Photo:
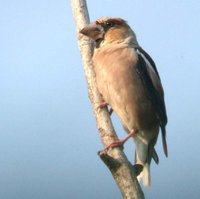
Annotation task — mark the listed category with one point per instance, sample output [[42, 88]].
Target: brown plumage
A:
[[129, 82]]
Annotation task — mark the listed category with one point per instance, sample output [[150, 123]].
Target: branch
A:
[[115, 159]]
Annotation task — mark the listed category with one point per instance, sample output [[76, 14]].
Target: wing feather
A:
[[151, 82]]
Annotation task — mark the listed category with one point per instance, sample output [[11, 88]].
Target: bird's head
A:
[[109, 30]]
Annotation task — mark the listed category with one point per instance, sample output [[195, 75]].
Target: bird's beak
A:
[[94, 31]]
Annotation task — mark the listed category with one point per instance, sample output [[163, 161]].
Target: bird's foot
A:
[[119, 143], [105, 104], [113, 145], [102, 105]]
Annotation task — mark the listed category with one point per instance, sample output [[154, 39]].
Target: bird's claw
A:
[[111, 146], [103, 104]]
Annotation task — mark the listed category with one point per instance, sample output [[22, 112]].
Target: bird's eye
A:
[[109, 24]]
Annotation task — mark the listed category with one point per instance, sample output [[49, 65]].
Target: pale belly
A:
[[122, 88], [125, 93]]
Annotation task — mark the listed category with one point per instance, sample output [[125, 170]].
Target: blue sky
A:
[[48, 136]]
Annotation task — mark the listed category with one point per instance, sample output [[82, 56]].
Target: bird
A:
[[129, 82]]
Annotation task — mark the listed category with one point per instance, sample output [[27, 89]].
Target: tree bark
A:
[[117, 162]]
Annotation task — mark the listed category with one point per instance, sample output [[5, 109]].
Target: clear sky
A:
[[48, 136]]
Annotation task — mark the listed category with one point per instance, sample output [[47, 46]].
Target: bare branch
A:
[[115, 159]]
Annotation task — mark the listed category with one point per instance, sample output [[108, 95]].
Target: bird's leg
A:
[[120, 142]]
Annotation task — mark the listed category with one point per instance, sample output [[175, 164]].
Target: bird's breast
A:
[[122, 88]]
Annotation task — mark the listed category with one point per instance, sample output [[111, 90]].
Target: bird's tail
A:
[[144, 153], [145, 175]]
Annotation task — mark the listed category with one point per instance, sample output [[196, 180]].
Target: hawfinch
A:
[[129, 83]]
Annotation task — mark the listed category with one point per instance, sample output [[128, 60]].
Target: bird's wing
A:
[[148, 73]]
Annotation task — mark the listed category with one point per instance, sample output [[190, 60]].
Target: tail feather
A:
[[144, 153], [145, 175], [141, 157], [155, 156], [164, 140]]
